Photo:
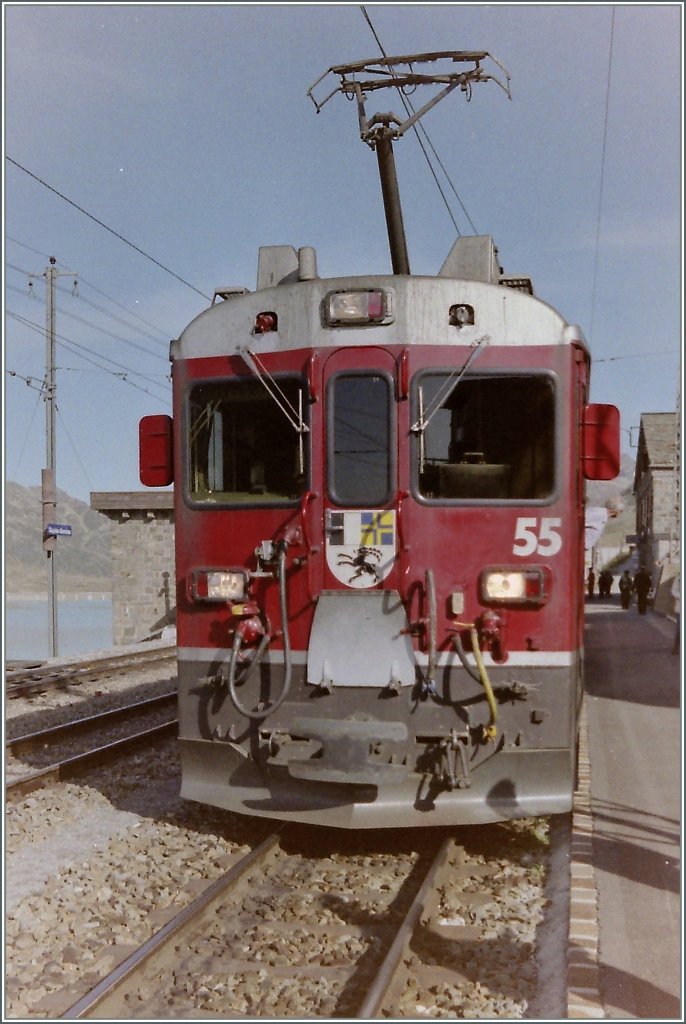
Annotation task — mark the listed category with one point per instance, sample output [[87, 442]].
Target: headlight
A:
[[358, 307], [505, 586], [219, 584]]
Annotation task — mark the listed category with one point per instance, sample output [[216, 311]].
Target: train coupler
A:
[[455, 766], [352, 752]]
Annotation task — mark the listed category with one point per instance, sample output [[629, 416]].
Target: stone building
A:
[[657, 491], [655, 487], [143, 575]]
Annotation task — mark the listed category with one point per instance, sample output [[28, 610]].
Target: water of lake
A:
[[83, 625]]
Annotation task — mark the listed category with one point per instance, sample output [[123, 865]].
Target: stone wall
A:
[[658, 527], [143, 576], [664, 602]]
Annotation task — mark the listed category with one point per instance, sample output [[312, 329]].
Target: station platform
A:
[[625, 959]]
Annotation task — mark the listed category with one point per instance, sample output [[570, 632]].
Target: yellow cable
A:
[[490, 730]]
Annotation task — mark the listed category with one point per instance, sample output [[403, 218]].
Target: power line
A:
[[637, 355], [105, 226], [94, 305], [113, 316], [20, 456], [602, 177], [84, 280], [74, 347], [29, 381], [78, 457], [103, 330], [20, 270], [29, 247], [115, 337]]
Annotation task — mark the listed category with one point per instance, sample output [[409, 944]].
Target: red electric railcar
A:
[[379, 509]]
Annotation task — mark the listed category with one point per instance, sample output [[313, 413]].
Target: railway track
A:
[[22, 682], [384, 947], [46, 744]]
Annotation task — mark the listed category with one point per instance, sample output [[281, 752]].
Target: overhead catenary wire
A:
[[106, 226], [410, 109], [602, 178]]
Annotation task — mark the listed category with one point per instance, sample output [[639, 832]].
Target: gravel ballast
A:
[[96, 866]]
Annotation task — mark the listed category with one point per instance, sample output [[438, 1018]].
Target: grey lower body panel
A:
[[509, 785], [365, 757]]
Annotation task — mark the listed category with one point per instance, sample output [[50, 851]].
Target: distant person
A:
[[676, 594], [590, 582], [626, 586], [605, 583], [642, 584]]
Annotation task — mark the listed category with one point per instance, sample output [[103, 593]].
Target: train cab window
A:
[[242, 448], [360, 464], [489, 437]]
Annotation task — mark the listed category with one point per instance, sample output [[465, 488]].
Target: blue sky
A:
[[187, 129]]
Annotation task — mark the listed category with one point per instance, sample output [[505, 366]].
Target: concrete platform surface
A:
[[634, 730]]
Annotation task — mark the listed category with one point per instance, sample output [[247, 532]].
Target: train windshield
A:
[[489, 437], [243, 447]]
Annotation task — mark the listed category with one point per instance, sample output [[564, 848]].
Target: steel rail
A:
[[73, 766], [386, 973], [131, 977], [34, 680], [108, 987], [29, 741], [85, 663]]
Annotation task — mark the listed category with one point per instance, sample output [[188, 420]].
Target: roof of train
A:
[[503, 316]]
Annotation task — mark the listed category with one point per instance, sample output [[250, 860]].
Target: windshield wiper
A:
[[445, 391], [277, 394], [293, 415]]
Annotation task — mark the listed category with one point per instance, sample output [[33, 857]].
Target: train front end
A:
[[379, 528]]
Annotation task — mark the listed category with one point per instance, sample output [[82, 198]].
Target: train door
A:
[[360, 470], [359, 633]]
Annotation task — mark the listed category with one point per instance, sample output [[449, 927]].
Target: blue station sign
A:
[[57, 530]]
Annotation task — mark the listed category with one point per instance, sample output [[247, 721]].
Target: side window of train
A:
[[242, 449], [360, 463], [488, 437]]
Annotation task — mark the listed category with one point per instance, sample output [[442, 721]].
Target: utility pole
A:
[[48, 475], [676, 511]]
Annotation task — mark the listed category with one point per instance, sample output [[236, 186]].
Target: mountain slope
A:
[[600, 491], [83, 561]]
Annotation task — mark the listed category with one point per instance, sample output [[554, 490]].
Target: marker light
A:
[[219, 585], [265, 322], [461, 315], [358, 307], [506, 586]]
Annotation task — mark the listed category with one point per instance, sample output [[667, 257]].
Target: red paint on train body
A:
[[379, 545]]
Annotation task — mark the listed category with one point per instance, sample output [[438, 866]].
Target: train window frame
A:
[[255, 501], [489, 374], [392, 448]]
